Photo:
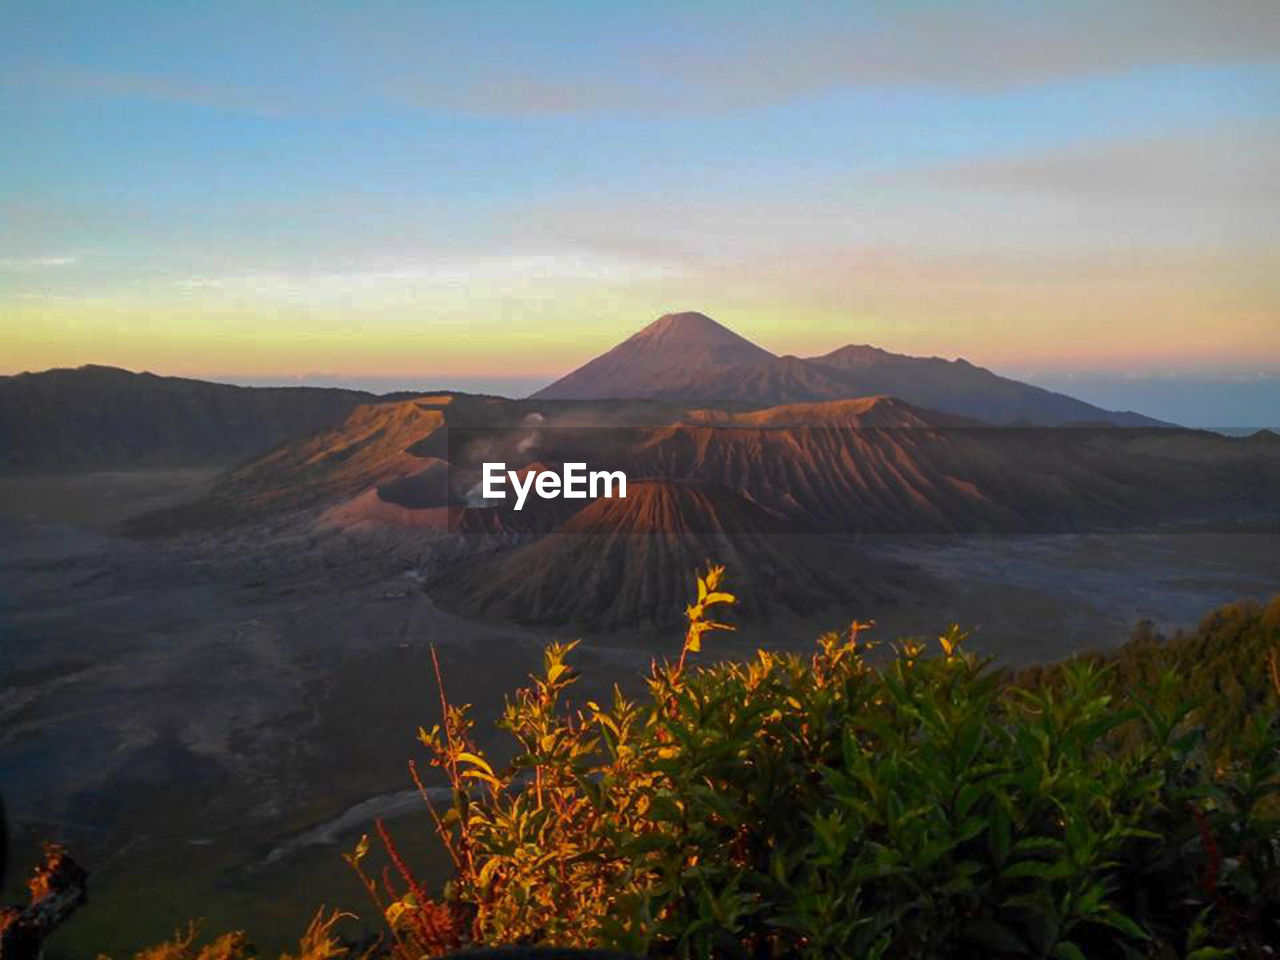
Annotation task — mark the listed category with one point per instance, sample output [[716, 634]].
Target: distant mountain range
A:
[[778, 464], [97, 417], [105, 418], [690, 357], [783, 491]]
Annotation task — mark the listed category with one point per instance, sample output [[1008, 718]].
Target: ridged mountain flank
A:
[[624, 564]]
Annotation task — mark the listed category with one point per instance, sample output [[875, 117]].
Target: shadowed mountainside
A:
[[102, 417], [957, 386]]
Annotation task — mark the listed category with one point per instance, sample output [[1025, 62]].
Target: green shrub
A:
[[1227, 668], [929, 807]]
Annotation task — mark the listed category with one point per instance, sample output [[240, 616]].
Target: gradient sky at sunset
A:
[[416, 192]]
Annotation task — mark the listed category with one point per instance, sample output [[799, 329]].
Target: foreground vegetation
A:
[[907, 802], [928, 806]]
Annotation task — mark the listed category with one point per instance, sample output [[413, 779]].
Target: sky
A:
[[470, 193]]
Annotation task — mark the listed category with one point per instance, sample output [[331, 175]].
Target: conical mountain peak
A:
[[688, 324], [663, 358]]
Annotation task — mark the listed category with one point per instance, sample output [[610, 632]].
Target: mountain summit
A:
[[690, 357], [666, 358], [682, 330]]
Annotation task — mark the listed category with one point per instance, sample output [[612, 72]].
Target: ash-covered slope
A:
[[883, 466], [388, 464], [663, 359], [378, 444], [622, 564], [877, 471], [102, 417]]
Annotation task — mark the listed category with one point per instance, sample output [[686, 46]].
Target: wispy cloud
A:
[[410, 280], [1217, 165], [34, 264], [773, 54], [995, 45], [549, 60]]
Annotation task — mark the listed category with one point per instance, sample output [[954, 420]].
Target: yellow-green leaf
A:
[[476, 761]]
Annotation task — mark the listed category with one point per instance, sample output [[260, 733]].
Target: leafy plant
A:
[[926, 807]]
